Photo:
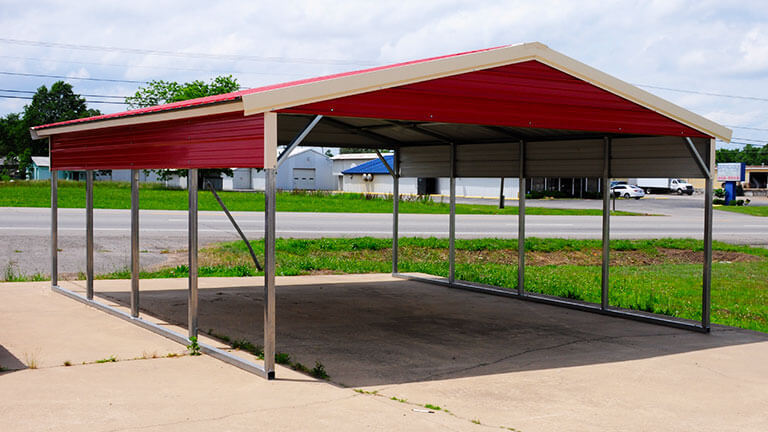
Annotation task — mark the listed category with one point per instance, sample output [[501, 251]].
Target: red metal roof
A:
[[229, 97], [528, 94]]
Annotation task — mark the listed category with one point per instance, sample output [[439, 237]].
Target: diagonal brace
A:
[[298, 139], [384, 161], [237, 227], [695, 153]]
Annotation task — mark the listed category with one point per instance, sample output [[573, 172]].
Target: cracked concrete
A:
[[502, 362]]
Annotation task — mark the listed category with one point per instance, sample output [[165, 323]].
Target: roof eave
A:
[[142, 118]]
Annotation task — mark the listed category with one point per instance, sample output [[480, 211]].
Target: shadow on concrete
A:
[[9, 362], [398, 331]]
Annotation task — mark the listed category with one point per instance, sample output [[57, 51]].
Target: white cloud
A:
[[708, 45]]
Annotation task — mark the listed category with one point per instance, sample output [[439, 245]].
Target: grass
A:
[[749, 210], [110, 359], [280, 358], [116, 195], [663, 285]]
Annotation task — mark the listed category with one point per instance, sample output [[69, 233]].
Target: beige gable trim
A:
[[141, 119], [286, 97]]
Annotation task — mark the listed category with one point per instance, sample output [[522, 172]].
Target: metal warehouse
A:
[[512, 111]]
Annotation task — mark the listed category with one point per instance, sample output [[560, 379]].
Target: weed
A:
[[3, 369], [246, 345], [372, 393], [172, 355], [319, 371], [67, 363], [432, 407], [31, 360], [193, 347], [394, 398], [299, 367], [110, 359], [282, 358], [16, 251], [475, 421], [148, 355]]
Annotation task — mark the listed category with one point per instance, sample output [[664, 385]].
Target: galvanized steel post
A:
[[270, 197], [269, 271], [395, 210], [521, 223], [89, 234], [54, 228], [707, 271], [452, 220], [192, 253], [134, 243], [606, 186]]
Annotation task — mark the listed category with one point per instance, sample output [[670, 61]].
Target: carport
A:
[[513, 111]]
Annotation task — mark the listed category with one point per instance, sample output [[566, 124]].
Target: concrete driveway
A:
[[500, 362]]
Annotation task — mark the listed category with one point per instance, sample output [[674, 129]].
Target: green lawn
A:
[[750, 210], [115, 195], [665, 286]]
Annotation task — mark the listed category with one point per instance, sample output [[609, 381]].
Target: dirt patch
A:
[[590, 257], [581, 257]]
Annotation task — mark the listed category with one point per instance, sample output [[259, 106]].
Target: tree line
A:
[[750, 155]]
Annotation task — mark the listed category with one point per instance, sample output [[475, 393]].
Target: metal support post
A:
[[89, 234], [134, 243], [54, 228], [707, 276], [606, 189], [269, 272], [521, 223], [501, 194], [395, 210], [192, 252], [452, 220]]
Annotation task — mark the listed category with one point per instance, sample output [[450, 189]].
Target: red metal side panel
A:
[[221, 141], [528, 94]]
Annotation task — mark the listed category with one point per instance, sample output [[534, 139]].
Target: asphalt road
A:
[[25, 232]]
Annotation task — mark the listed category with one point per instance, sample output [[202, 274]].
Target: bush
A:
[[720, 193]]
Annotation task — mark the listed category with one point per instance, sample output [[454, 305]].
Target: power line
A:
[[88, 101], [750, 139], [152, 67], [68, 78], [89, 95], [748, 128], [277, 59], [704, 93]]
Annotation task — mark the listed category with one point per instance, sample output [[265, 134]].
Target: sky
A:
[[699, 49]]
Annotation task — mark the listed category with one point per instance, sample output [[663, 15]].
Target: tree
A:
[[750, 155], [161, 92], [59, 103]]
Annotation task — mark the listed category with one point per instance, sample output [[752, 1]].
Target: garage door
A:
[[304, 178]]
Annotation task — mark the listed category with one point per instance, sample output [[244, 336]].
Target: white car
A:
[[627, 191]]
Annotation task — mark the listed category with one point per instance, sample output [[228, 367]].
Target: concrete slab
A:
[[44, 328], [502, 362]]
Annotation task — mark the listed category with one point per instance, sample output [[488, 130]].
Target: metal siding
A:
[[488, 160], [577, 158], [425, 161], [653, 157], [527, 94], [221, 141]]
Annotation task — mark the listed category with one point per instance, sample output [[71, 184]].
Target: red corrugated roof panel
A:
[[229, 97]]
